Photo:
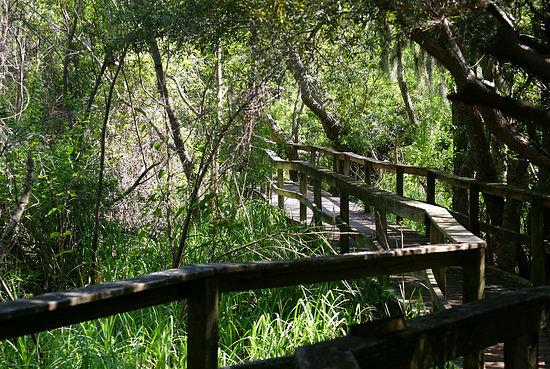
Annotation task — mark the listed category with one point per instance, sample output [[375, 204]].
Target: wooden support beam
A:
[[522, 352], [317, 199], [399, 188], [368, 169], [430, 197], [280, 184], [436, 237], [344, 214], [381, 222], [473, 209], [202, 325], [473, 279], [346, 166], [313, 156], [303, 191], [536, 227]]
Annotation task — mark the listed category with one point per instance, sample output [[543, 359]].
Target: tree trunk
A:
[[185, 158], [403, 85], [312, 99]]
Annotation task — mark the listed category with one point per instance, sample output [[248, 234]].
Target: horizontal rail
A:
[[433, 339], [497, 189], [58, 309]]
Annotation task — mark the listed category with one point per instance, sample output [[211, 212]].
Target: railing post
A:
[[473, 209], [399, 188], [303, 191], [313, 154], [430, 197], [335, 169], [317, 199], [280, 184], [367, 166], [381, 222], [202, 325], [346, 167], [344, 214], [436, 237], [536, 227], [473, 279], [522, 352], [368, 173]]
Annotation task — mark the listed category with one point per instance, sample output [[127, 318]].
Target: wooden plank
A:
[[280, 184], [496, 231], [536, 227], [202, 325], [317, 199], [346, 166], [443, 336], [303, 192], [331, 358], [344, 214], [53, 310], [436, 237], [381, 224], [473, 209], [399, 188], [246, 276], [430, 197], [522, 352]]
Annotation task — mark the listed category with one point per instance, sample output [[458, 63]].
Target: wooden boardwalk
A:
[[364, 233]]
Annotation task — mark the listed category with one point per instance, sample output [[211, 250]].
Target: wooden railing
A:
[[511, 318], [342, 162], [201, 286]]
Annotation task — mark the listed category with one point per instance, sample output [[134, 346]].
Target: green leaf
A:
[[55, 235], [156, 145]]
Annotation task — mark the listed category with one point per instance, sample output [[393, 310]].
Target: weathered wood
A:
[[344, 214], [381, 223], [536, 220], [280, 184], [330, 358], [53, 310], [430, 197], [317, 199], [346, 167], [522, 352], [473, 279], [443, 336], [437, 237], [202, 325], [303, 191], [399, 188], [473, 209], [247, 276], [313, 156]]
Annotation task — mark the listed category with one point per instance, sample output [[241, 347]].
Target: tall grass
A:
[[253, 324]]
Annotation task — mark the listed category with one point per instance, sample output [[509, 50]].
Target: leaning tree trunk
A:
[[313, 99], [403, 85], [184, 156]]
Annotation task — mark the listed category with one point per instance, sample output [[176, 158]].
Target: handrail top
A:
[[181, 276], [499, 189]]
